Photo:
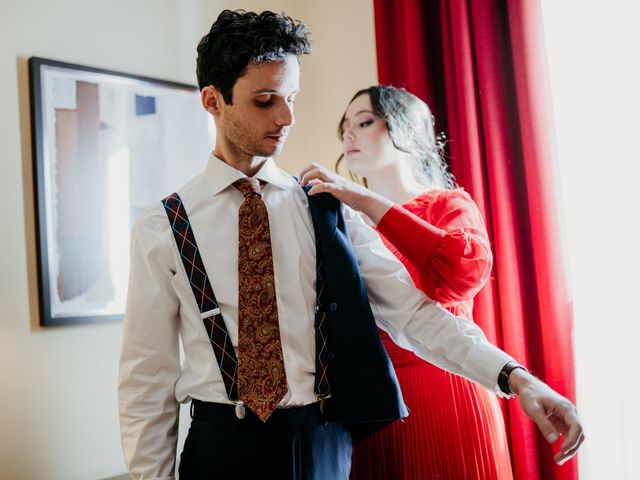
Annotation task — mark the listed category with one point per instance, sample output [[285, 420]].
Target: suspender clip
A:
[[240, 411], [323, 401], [210, 313]]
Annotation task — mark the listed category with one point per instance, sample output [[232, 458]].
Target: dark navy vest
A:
[[364, 389]]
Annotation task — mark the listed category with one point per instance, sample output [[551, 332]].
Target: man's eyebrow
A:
[[271, 90]]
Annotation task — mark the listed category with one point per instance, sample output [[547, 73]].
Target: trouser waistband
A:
[[225, 413]]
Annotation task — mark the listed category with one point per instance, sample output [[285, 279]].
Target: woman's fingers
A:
[[313, 172], [311, 166], [322, 187]]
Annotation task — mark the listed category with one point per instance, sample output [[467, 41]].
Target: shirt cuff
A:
[[484, 363]]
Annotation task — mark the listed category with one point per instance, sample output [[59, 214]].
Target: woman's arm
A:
[[447, 243], [350, 193]]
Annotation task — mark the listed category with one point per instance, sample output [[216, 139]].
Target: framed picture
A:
[[106, 144]]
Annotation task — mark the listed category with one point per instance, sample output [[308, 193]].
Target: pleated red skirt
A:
[[455, 431]]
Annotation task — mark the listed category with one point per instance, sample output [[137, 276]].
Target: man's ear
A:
[[211, 100]]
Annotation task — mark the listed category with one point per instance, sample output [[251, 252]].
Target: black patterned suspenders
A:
[[212, 316], [203, 293]]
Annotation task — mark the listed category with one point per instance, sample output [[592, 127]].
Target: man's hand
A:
[[555, 415], [355, 196]]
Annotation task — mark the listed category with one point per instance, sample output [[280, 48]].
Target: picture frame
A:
[[106, 144]]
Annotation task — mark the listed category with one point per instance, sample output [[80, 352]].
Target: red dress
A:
[[456, 429]]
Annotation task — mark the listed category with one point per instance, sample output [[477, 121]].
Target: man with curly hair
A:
[[275, 296]]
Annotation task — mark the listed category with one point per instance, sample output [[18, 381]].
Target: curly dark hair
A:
[[238, 37], [411, 129]]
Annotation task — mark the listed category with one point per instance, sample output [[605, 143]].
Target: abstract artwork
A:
[[106, 145]]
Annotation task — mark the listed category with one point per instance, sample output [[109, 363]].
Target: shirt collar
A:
[[221, 175]]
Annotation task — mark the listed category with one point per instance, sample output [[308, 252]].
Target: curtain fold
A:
[[481, 67]]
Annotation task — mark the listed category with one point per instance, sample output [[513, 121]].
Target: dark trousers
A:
[[295, 444]]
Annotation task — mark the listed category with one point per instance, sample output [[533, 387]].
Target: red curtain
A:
[[481, 66]]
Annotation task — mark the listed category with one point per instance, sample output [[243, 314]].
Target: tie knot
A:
[[248, 186]]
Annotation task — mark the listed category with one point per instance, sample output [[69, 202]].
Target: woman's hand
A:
[[355, 196]]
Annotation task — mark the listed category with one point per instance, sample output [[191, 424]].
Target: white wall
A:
[[595, 74], [343, 62], [58, 410]]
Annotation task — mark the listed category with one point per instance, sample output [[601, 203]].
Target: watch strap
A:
[[503, 376]]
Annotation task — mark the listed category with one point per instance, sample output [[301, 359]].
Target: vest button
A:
[[331, 355], [333, 306]]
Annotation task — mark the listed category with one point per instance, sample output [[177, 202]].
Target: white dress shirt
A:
[[161, 309]]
